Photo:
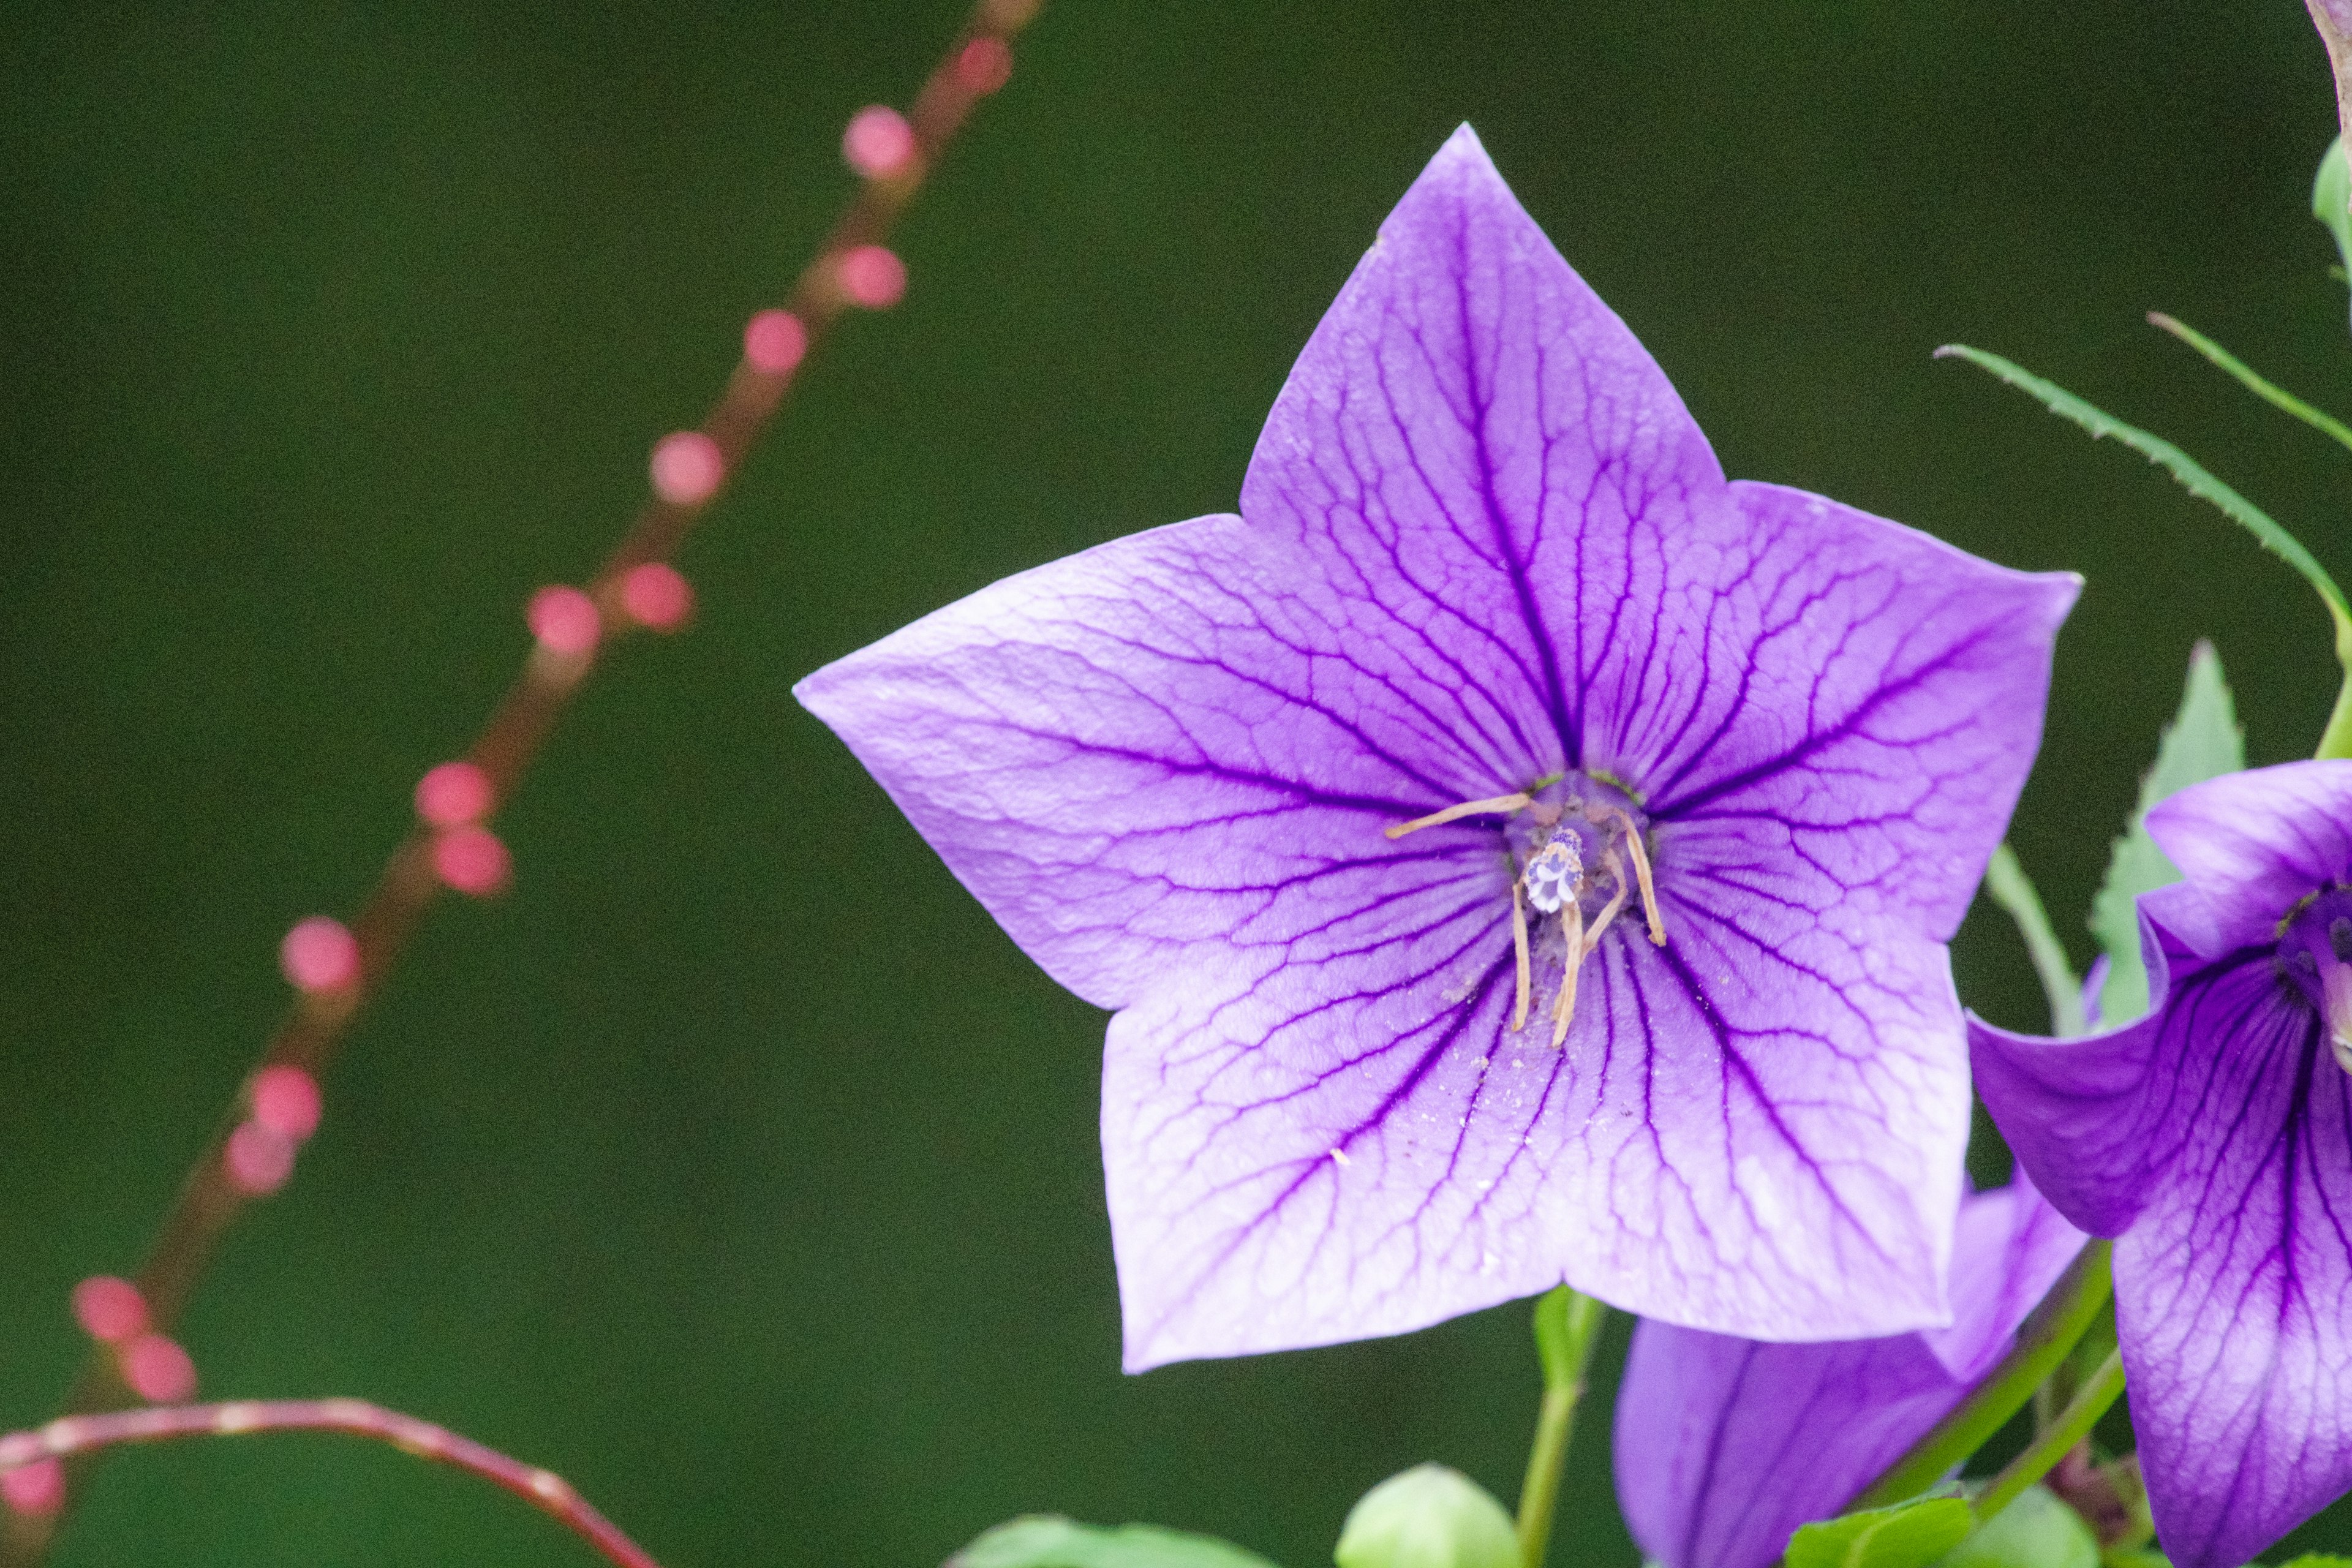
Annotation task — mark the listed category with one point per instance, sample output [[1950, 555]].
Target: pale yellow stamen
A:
[[1499, 806], [1616, 869], [1571, 921], [1519, 951], [1640, 871]]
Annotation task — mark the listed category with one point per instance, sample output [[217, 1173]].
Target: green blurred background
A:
[[735, 1165]]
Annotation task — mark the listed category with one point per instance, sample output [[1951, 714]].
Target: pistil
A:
[[2335, 990], [1554, 878]]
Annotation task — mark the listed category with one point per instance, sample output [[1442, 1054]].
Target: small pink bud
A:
[[452, 794], [687, 468], [879, 142], [872, 275], [564, 620], [286, 1100], [773, 342], [109, 1310], [158, 1370], [318, 954], [37, 1489], [655, 597], [472, 861], [986, 65], [258, 1160]]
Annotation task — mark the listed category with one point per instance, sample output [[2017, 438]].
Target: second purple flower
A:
[[1515, 854]]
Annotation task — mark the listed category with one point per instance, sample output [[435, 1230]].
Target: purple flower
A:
[[1726, 1446], [1515, 854], [2214, 1138]]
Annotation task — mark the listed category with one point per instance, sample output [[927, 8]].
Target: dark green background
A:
[[736, 1167]]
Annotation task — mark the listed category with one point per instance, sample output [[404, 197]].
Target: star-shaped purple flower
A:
[[2214, 1138], [1726, 1446], [1514, 853]]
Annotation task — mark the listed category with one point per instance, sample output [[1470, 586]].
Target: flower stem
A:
[[312, 1031], [2049, 1333], [1567, 1327], [2099, 1391], [71, 1435]]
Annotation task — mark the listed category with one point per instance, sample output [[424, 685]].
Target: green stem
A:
[[2100, 1390], [2012, 890], [1567, 1327], [2042, 1343], [2277, 397]]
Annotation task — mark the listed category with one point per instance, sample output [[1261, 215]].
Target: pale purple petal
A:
[[2234, 1290], [1481, 542], [2251, 844], [1725, 1446], [2011, 1248]]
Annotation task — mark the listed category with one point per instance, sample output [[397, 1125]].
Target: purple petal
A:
[[1483, 542], [2253, 843], [2234, 1290], [1724, 1446]]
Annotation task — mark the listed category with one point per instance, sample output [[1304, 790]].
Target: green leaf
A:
[[2329, 188], [2245, 375], [2007, 885], [2035, 1531], [2321, 1559], [2203, 741], [1908, 1535], [1049, 1541]]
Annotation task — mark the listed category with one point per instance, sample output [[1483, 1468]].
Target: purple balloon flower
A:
[[1726, 1446], [1515, 854], [2214, 1138]]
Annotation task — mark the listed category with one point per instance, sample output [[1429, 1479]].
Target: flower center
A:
[[1578, 853], [2314, 951]]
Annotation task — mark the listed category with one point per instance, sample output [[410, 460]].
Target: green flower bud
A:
[[2331, 190], [1429, 1517]]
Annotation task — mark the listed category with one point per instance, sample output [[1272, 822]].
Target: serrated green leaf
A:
[[1908, 1535], [2035, 1531], [2336, 741], [1049, 1541], [2203, 741], [2320, 1560]]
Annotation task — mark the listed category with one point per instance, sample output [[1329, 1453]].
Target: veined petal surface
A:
[[1482, 543], [2251, 844], [1725, 1446], [2234, 1290]]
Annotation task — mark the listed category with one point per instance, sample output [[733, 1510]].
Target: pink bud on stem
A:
[[878, 141], [322, 958], [473, 860], [774, 342], [657, 596], [37, 1489], [454, 793], [687, 468], [319, 955], [158, 1370], [872, 277], [564, 620], [108, 1310]]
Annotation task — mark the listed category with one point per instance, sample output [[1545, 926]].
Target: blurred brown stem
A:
[[313, 1028]]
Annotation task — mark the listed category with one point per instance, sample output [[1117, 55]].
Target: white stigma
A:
[[1553, 873]]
